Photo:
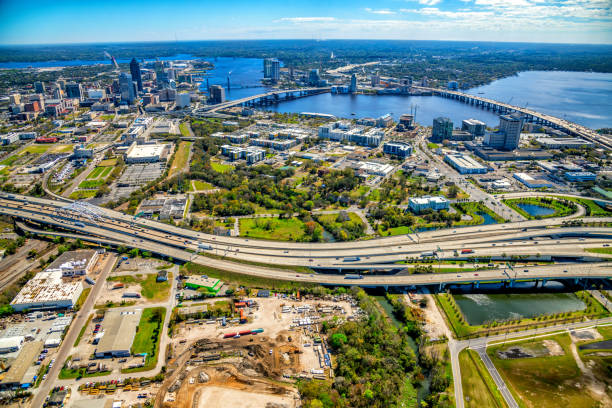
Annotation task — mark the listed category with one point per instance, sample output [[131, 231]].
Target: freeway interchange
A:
[[541, 239]]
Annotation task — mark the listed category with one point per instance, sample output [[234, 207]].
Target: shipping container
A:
[[467, 251], [228, 335]]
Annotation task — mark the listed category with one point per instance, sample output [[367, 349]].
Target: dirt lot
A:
[[221, 397]]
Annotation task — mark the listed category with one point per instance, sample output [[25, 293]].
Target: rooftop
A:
[[22, 363], [47, 286], [119, 330]]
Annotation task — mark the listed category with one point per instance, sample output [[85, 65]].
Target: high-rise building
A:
[[475, 127], [353, 87], [39, 87], [511, 125], [126, 86], [313, 77], [375, 79], [58, 93], [217, 94], [74, 90], [61, 83], [15, 99], [160, 74], [272, 69], [136, 74], [442, 129]]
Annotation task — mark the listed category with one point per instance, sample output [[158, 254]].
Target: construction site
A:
[[255, 359]]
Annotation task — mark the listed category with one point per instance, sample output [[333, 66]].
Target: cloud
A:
[[306, 19], [429, 2], [383, 11]]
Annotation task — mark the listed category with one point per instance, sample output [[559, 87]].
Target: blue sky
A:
[[68, 21]]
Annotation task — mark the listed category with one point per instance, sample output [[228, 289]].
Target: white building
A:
[[183, 99], [420, 204], [11, 344], [145, 153], [74, 263], [47, 290], [465, 164]]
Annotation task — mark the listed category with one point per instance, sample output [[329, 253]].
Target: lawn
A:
[[220, 167], [432, 146], [479, 390], [396, 231], [82, 298], [180, 158], [9, 160], [560, 208], [147, 337], [78, 339], [100, 172], [44, 148], [543, 382], [291, 229], [91, 184], [592, 209]]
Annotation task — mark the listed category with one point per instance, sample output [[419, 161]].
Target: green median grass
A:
[[479, 389], [606, 251], [82, 332]]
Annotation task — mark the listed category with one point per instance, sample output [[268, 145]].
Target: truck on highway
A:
[[90, 281], [353, 276], [351, 259], [428, 254], [79, 224], [467, 251], [204, 246]]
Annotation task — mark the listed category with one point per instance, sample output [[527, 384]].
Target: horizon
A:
[[530, 21]]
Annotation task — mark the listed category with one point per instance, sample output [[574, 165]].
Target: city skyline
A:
[[556, 21]]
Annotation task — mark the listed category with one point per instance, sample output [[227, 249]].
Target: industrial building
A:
[[150, 153], [73, 263], [465, 164], [202, 281], [532, 182], [22, 372], [47, 290], [400, 149], [119, 328], [580, 176], [419, 204], [11, 344]]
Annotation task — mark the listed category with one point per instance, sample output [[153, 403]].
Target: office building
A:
[[136, 74], [74, 90], [217, 94], [39, 87], [406, 120], [400, 149], [272, 69], [15, 99], [183, 99], [511, 126], [461, 135], [375, 80], [475, 127], [126, 86], [580, 176], [442, 129], [420, 204], [313, 77], [453, 85], [353, 87], [465, 164], [494, 140]]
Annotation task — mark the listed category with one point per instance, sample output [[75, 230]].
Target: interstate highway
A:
[[484, 242]]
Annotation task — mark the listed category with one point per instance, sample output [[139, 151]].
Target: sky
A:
[[82, 21]]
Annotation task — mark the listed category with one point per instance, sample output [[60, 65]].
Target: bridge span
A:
[[268, 98]]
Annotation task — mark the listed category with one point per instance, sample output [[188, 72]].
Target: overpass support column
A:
[[386, 288], [544, 282], [511, 283], [441, 287], [576, 281], [477, 284]]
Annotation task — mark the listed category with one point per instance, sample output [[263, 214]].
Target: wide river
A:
[[582, 97]]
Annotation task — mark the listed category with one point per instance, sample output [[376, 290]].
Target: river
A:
[[582, 97]]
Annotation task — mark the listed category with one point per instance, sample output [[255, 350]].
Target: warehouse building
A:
[[532, 182], [22, 371], [202, 281], [465, 164], [563, 142], [149, 153], [47, 290], [419, 204], [580, 176], [11, 344], [119, 328], [74, 263]]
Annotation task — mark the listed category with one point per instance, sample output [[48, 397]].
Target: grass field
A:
[[147, 337], [479, 390], [108, 162], [91, 184], [396, 231], [184, 130], [220, 167], [198, 185], [544, 382], [151, 289], [99, 172], [50, 148], [79, 195], [291, 229], [244, 280], [180, 158]]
